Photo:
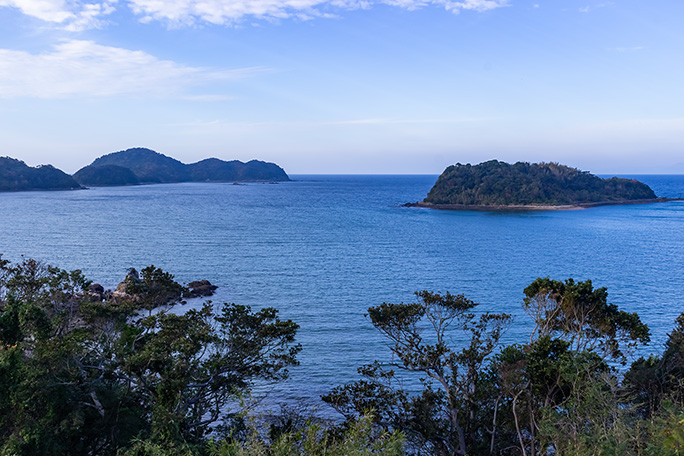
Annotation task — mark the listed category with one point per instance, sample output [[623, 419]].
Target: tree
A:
[[312, 439], [577, 335], [187, 367], [578, 313], [53, 388], [553, 394], [83, 376], [657, 379], [454, 369]]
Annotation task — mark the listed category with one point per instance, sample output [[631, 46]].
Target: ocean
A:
[[322, 249]]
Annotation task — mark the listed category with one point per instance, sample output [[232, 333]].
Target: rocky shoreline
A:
[[535, 207], [130, 289]]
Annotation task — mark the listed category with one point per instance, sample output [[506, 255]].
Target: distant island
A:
[[145, 166], [15, 176], [495, 185], [133, 167]]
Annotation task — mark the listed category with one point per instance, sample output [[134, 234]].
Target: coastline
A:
[[535, 207], [42, 190]]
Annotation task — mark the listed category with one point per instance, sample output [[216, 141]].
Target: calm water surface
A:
[[323, 249]]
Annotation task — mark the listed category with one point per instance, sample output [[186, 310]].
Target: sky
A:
[[346, 86]]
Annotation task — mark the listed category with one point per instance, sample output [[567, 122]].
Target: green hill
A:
[[496, 183], [140, 165], [106, 175], [15, 175], [213, 169], [147, 165]]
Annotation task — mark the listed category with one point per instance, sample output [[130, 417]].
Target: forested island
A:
[[91, 372], [141, 165], [15, 175], [495, 185], [133, 167]]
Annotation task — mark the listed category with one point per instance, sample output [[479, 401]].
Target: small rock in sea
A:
[[132, 278], [201, 288], [96, 292]]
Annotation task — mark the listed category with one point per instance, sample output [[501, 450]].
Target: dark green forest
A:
[[141, 165], [15, 175], [132, 167], [496, 183], [106, 176], [84, 371]]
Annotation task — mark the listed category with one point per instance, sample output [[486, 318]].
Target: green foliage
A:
[[496, 183], [578, 313], [139, 164], [84, 377], [659, 379], [543, 385], [15, 175], [314, 440], [154, 288], [213, 169], [444, 419], [130, 377], [106, 175], [147, 165], [189, 366], [52, 367], [556, 394]]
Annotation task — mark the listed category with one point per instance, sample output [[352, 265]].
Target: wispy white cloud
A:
[[222, 12], [450, 5], [473, 5], [77, 68], [77, 15], [589, 8], [68, 14], [182, 12]]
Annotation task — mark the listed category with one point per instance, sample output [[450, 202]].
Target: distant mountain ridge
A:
[[498, 185], [15, 175], [148, 166], [132, 167]]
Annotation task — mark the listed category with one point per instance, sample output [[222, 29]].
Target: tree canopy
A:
[[496, 183], [15, 175], [84, 376], [558, 393], [87, 372], [141, 165]]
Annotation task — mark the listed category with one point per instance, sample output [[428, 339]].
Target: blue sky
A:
[[346, 86]]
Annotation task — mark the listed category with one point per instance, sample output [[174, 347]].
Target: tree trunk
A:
[[517, 422]]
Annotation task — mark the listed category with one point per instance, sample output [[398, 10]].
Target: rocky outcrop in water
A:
[[200, 288], [160, 288], [122, 290]]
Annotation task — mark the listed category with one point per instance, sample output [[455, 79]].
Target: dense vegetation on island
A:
[[15, 175], [133, 167], [140, 165], [496, 183], [84, 371], [106, 175]]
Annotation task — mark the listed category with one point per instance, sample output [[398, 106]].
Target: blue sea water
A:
[[322, 249]]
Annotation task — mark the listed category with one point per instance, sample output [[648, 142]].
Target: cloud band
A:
[[76, 15]]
